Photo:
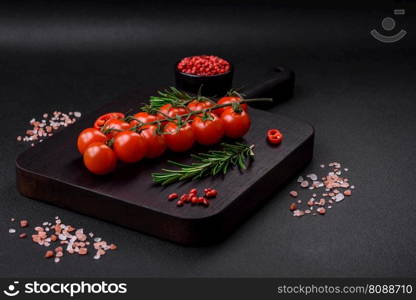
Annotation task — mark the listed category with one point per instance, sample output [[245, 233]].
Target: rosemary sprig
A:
[[168, 96], [210, 163]]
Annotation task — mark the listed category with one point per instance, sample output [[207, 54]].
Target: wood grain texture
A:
[[53, 172]]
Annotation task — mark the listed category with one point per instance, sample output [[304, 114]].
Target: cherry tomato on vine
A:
[[236, 124], [99, 158], [156, 144], [196, 105], [143, 117], [89, 136], [113, 126], [208, 129], [226, 100], [274, 136], [171, 111], [104, 118], [129, 146], [179, 138]]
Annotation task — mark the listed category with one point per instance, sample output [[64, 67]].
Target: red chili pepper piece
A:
[[179, 203], [274, 136]]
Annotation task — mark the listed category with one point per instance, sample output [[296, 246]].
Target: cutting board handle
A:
[[278, 84]]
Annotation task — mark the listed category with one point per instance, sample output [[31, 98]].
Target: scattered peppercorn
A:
[[211, 193], [193, 198], [172, 196]]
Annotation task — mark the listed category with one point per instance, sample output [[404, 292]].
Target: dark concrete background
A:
[[357, 92]]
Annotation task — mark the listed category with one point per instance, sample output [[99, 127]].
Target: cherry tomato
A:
[[89, 136], [104, 118], [99, 158], [156, 144], [208, 129], [171, 111], [143, 117], [236, 124], [179, 139], [226, 100], [196, 105], [274, 136], [129, 146], [113, 126]]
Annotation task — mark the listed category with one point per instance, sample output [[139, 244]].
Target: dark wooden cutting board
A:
[[53, 172]]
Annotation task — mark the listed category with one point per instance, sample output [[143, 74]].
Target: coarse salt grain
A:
[[312, 176], [339, 197], [44, 128], [335, 185], [298, 213], [304, 184], [293, 194], [61, 235]]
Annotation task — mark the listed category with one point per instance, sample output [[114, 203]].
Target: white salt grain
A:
[[339, 197]]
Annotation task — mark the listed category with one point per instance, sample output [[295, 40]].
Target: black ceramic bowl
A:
[[216, 85]]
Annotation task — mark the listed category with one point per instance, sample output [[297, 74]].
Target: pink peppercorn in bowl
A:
[[213, 73]]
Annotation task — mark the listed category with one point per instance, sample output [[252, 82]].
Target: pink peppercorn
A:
[[205, 65]]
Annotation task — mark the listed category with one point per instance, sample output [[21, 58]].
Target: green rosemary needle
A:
[[168, 96], [210, 163]]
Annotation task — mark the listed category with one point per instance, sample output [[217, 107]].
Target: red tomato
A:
[[226, 100], [113, 126], [156, 144], [274, 136], [179, 139], [236, 124], [171, 112], [197, 105], [143, 117], [99, 158], [129, 146], [208, 130], [104, 118], [89, 136]]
